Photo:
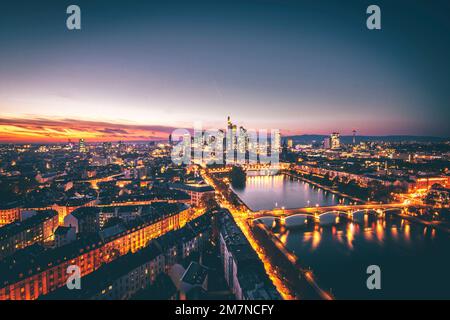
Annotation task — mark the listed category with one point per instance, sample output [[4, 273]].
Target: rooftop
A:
[[195, 274], [20, 226], [105, 276], [192, 187]]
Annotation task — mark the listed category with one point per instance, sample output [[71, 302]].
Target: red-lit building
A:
[[47, 271], [8, 215], [425, 183], [36, 229]]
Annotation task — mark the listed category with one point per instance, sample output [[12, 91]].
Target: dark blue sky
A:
[[300, 66]]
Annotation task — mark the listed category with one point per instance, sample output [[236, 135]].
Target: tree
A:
[[208, 201], [238, 177]]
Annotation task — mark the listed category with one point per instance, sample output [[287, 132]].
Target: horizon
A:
[[140, 73], [406, 138]]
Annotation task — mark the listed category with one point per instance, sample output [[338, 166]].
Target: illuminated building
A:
[[8, 215], [36, 229], [243, 144], [276, 144], [41, 271], [332, 142], [125, 213], [119, 279], [244, 271], [82, 146], [205, 147], [132, 272], [46, 271], [425, 183], [326, 143], [195, 191], [64, 208], [290, 143], [231, 141], [181, 243], [335, 141]]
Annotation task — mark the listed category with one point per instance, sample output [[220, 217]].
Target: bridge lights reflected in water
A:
[[407, 230], [344, 232], [350, 235], [392, 241]]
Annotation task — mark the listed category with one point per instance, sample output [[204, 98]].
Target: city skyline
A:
[[213, 157], [141, 72]]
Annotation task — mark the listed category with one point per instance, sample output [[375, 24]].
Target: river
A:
[[276, 191], [414, 259]]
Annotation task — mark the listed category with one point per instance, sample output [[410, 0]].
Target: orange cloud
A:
[[60, 130]]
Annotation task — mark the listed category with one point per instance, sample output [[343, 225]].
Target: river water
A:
[[414, 259], [269, 192]]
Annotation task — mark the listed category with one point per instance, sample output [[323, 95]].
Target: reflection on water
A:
[[268, 192], [414, 259]]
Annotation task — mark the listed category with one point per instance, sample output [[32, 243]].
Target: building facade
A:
[[39, 228]]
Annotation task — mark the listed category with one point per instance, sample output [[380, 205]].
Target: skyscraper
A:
[[326, 143], [82, 146], [290, 143], [335, 140], [229, 124], [231, 141], [277, 141]]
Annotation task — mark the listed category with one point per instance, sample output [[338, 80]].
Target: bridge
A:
[[326, 214], [252, 167]]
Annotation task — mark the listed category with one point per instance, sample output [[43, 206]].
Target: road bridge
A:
[[326, 214]]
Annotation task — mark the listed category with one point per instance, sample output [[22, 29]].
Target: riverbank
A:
[[288, 191], [298, 279], [432, 224], [320, 186]]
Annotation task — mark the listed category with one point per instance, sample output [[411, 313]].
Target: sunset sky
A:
[[137, 70]]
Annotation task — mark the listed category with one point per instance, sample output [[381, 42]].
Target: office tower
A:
[[82, 146], [277, 141], [231, 141], [335, 140], [290, 143], [326, 143]]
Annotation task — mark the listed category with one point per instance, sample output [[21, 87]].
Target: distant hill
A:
[[310, 138]]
